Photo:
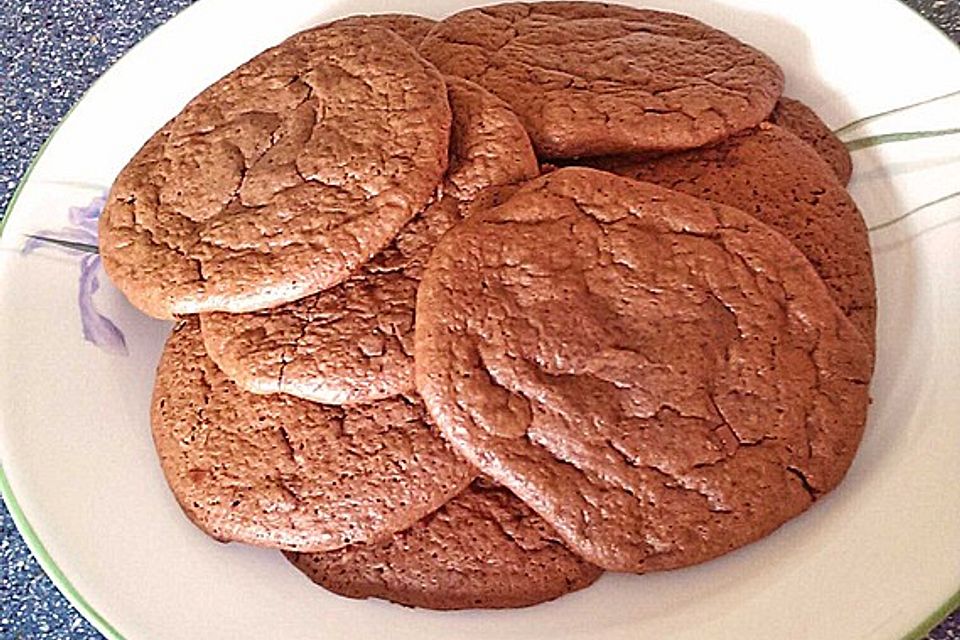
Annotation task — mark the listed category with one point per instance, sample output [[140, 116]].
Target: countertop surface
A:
[[50, 52]]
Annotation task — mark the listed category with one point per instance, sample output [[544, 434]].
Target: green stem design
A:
[[872, 141], [904, 216], [862, 121], [68, 244]]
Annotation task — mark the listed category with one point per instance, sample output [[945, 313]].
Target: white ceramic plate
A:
[[878, 559]]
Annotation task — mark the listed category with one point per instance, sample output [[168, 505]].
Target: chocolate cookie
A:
[[411, 28], [777, 178], [661, 378], [281, 178], [591, 79], [803, 122], [354, 342], [281, 472], [483, 549]]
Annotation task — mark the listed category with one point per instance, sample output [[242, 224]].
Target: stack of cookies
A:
[[470, 311]]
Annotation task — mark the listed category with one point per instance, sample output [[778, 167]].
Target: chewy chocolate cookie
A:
[[282, 472], [590, 79], [281, 178], [661, 378], [803, 122]]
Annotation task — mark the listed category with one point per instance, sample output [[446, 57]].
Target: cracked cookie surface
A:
[[483, 549], [281, 178], [592, 79], [780, 180], [282, 472], [802, 121], [408, 26], [354, 342], [661, 378]]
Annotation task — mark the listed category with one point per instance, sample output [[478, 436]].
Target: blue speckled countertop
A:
[[50, 52]]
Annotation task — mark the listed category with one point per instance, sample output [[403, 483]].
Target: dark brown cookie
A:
[[281, 472], [281, 178], [590, 79], [411, 28], [354, 342], [777, 178], [483, 549], [803, 122], [663, 379]]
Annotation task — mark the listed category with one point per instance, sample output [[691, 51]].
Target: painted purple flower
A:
[[81, 239]]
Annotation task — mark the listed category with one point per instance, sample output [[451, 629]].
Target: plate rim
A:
[[50, 566], [36, 546]]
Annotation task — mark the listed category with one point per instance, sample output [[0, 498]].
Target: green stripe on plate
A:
[[50, 566], [921, 630]]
